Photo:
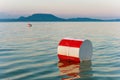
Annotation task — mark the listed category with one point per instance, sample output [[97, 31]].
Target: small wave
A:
[[5, 50]]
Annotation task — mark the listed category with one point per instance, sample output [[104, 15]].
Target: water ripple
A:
[[31, 53]]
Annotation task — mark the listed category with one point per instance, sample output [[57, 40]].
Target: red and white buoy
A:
[[29, 25], [74, 50]]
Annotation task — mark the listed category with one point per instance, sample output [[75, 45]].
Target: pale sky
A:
[[62, 8]]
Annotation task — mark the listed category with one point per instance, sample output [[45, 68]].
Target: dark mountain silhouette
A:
[[83, 19], [50, 17], [41, 17]]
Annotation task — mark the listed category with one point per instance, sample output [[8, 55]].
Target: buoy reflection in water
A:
[[73, 70]]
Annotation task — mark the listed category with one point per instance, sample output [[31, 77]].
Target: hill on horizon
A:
[[50, 17]]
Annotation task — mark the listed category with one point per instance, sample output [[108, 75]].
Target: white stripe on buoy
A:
[[74, 49]]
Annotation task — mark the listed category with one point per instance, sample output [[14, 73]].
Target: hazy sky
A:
[[63, 8]]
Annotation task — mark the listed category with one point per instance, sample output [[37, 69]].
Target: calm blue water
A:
[[31, 53]]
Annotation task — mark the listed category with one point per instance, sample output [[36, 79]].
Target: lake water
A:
[[30, 53]]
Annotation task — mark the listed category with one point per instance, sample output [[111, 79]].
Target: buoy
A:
[[29, 25], [74, 50]]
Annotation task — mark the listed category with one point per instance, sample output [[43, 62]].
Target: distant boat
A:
[[29, 25]]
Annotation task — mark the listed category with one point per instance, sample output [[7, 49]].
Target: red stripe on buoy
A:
[[68, 58], [70, 43]]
